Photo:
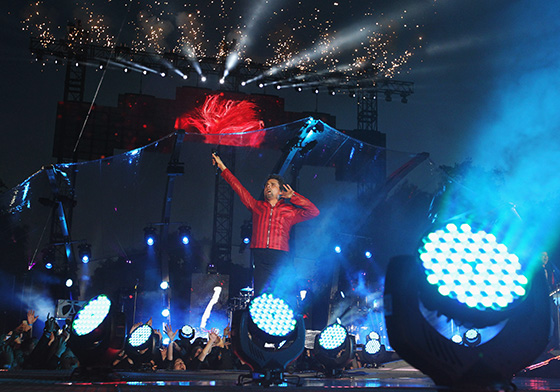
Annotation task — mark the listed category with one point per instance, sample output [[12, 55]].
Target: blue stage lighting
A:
[[472, 337], [185, 234], [272, 315], [465, 277], [165, 312], [97, 333], [142, 346], [372, 347], [373, 336], [246, 231], [150, 235], [140, 335], [91, 315], [49, 257], [267, 337], [332, 337], [457, 339], [187, 332], [334, 349], [69, 282], [472, 267], [84, 252], [368, 254], [164, 285], [337, 249]]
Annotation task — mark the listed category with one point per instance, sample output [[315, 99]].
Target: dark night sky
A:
[[479, 67]]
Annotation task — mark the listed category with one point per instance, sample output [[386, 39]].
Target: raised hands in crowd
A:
[[19, 349]]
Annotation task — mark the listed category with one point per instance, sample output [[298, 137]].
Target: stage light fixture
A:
[[374, 352], [49, 257], [125, 69], [142, 345], [203, 78], [267, 336], [261, 85], [186, 332], [211, 268], [372, 346], [337, 249], [246, 234], [69, 282], [404, 98], [84, 252], [97, 333], [316, 91], [373, 336], [164, 285], [150, 235], [185, 234], [463, 276], [334, 349], [472, 337], [368, 254], [165, 312]]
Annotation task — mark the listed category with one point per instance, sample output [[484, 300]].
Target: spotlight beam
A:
[[257, 15]]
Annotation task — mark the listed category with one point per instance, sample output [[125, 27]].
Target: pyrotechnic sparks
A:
[[304, 37]]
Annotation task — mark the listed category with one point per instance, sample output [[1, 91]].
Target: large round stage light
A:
[[332, 337], [334, 349], [142, 345], [267, 336], [140, 337], [272, 316], [372, 347], [91, 315], [468, 295], [97, 332], [472, 267]]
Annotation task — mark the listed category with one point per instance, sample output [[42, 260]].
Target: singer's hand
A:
[[217, 161], [288, 192]]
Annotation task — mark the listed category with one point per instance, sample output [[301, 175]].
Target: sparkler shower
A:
[[353, 37]]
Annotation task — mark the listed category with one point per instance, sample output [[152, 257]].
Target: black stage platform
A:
[[393, 376]]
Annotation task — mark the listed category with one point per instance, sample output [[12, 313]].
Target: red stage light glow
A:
[[224, 121]]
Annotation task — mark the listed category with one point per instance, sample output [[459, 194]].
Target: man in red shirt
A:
[[273, 218]]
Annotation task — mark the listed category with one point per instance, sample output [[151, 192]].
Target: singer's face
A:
[[272, 189]]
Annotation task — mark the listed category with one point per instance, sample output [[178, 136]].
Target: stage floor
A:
[[394, 376]]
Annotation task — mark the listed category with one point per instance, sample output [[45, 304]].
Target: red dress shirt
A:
[[271, 225]]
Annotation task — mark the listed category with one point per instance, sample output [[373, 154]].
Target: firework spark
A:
[[301, 37]]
